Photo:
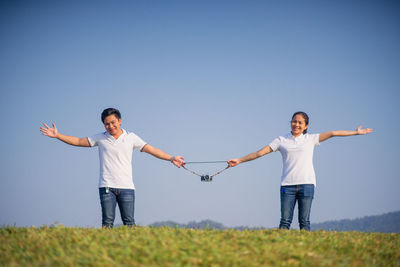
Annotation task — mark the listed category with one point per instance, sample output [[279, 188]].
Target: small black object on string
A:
[[205, 177]]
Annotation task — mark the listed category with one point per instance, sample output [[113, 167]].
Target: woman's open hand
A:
[[363, 131]]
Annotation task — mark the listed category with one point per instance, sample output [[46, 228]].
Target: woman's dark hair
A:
[[305, 117], [110, 111]]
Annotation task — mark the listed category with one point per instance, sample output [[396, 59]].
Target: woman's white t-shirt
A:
[[116, 158], [297, 158]]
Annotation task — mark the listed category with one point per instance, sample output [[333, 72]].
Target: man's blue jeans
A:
[[303, 194], [125, 198]]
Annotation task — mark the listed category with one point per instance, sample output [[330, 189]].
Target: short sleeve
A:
[[93, 140], [275, 144], [316, 139], [138, 142]]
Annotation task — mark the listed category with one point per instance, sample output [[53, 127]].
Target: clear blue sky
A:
[[208, 80]]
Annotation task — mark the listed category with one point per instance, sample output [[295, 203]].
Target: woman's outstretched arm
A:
[[359, 131], [255, 155]]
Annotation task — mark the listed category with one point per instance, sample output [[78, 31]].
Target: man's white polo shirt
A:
[[297, 157], [116, 158]]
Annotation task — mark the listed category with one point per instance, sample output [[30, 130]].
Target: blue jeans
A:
[[125, 198], [304, 194]]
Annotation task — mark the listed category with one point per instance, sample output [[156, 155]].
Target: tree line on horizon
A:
[[385, 223]]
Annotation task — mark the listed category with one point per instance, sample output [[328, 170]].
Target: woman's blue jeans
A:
[[125, 198], [303, 194]]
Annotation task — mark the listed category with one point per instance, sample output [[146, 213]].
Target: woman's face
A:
[[298, 125]]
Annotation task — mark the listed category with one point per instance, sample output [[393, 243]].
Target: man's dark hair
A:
[[110, 111]]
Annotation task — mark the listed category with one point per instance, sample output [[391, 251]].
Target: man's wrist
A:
[[172, 158]]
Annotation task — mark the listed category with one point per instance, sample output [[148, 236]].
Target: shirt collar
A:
[[290, 136], [112, 137]]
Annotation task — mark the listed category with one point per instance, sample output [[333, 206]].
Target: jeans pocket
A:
[[308, 190], [105, 197]]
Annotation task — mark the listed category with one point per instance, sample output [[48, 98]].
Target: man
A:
[[115, 153]]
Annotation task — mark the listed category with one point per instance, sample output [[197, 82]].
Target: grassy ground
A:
[[147, 246]]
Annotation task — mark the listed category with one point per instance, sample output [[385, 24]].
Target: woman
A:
[[298, 176]]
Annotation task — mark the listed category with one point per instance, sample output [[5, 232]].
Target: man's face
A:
[[112, 125]]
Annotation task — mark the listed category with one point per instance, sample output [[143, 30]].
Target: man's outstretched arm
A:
[[71, 140], [158, 153]]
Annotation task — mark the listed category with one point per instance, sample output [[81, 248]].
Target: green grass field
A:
[[147, 246]]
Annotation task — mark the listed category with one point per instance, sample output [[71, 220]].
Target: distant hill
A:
[[385, 223], [205, 224], [194, 225]]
